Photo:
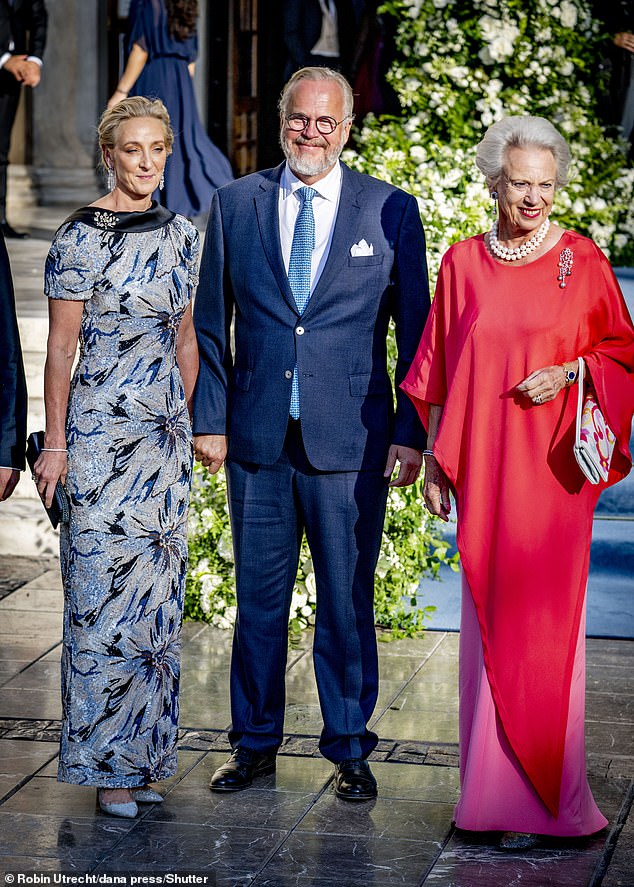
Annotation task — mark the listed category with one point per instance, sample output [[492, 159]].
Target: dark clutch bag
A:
[[59, 512]]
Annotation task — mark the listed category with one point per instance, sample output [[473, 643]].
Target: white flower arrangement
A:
[[467, 63], [464, 64], [410, 550]]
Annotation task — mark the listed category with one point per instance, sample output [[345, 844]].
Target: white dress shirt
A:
[[325, 206]]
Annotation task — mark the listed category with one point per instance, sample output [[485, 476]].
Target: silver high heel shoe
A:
[[128, 809], [146, 795]]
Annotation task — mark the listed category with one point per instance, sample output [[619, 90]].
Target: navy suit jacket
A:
[[339, 343], [302, 21], [24, 25], [12, 381]]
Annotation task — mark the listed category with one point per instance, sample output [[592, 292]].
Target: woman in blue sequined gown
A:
[[120, 276], [162, 48]]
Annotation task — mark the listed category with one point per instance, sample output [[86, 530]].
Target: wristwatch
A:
[[569, 375]]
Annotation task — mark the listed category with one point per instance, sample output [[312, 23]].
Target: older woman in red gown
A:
[[494, 381]]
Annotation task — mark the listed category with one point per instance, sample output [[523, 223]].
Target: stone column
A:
[[65, 106]]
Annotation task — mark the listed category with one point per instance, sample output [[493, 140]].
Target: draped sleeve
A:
[[142, 20], [426, 381], [147, 26], [610, 362]]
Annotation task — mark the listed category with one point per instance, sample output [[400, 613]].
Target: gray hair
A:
[[520, 132], [317, 74]]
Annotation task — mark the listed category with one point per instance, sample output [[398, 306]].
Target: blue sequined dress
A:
[[124, 552]]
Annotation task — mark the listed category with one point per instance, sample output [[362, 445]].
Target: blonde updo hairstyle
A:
[[520, 132], [128, 109]]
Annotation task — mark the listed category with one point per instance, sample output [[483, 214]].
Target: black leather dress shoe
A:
[[241, 769], [354, 780], [11, 234]]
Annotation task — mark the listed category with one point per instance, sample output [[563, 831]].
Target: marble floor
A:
[[290, 829]]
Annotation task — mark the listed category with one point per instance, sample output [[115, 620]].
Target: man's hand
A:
[[9, 478], [210, 450], [31, 73], [410, 462], [15, 67], [625, 40]]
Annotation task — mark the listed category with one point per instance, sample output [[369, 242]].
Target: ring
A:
[[34, 477], [538, 398]]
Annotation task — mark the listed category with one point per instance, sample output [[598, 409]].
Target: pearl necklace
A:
[[509, 255]]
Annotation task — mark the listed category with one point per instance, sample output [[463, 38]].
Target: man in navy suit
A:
[[12, 385], [303, 399], [320, 32], [22, 38]]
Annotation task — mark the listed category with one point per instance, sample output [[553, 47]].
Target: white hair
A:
[[520, 132]]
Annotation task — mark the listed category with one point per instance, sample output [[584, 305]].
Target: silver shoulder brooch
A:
[[105, 219]]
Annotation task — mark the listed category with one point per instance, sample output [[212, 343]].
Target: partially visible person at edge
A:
[[22, 39], [13, 400], [310, 260], [162, 48], [319, 33], [617, 107], [494, 381], [120, 276]]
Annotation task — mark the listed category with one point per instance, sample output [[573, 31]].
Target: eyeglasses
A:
[[325, 125]]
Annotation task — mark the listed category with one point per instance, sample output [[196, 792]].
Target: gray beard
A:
[[305, 167]]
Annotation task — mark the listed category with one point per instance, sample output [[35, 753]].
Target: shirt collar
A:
[[328, 187]]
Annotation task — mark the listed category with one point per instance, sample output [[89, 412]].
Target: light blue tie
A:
[[299, 267]]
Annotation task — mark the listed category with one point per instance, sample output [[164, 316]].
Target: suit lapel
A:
[[346, 225], [267, 212]]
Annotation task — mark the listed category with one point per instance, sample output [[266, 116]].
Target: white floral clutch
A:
[[594, 440]]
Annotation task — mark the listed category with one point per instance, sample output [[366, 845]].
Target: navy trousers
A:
[[9, 99], [342, 514]]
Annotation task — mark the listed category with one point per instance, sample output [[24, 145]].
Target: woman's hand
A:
[[543, 385], [436, 489], [49, 468]]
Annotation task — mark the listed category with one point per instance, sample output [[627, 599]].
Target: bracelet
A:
[[428, 453], [122, 91], [54, 450]]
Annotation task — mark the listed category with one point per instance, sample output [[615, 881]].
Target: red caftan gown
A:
[[524, 516]]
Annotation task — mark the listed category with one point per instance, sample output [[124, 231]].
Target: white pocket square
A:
[[362, 248]]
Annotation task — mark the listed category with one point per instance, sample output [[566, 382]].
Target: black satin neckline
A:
[[156, 216]]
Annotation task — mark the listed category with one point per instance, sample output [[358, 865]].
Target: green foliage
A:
[[465, 64], [411, 548], [210, 590]]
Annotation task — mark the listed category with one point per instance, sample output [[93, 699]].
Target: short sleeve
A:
[[190, 245], [70, 268]]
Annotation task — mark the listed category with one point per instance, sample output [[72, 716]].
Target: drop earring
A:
[[111, 179], [494, 198], [162, 181]]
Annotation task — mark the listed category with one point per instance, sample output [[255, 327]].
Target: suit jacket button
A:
[[299, 330], [288, 374]]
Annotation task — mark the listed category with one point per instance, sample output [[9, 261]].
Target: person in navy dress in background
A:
[[162, 48]]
